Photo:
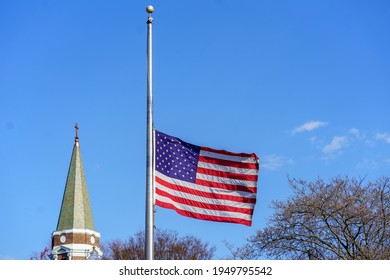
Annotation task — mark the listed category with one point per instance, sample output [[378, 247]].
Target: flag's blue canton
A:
[[176, 158]]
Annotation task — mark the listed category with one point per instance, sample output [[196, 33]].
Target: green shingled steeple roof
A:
[[75, 209]]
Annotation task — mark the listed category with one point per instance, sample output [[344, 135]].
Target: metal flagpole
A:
[[149, 217]]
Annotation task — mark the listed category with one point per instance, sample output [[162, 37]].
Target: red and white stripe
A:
[[224, 191]]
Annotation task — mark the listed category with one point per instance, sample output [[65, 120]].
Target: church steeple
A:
[[75, 236]]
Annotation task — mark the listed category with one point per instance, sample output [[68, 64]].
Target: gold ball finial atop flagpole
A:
[[150, 9]]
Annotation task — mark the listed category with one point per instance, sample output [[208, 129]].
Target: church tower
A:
[[75, 237]]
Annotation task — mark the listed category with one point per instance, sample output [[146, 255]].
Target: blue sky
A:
[[303, 84]]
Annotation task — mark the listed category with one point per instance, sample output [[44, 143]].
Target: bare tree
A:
[[342, 219], [168, 246], [43, 255]]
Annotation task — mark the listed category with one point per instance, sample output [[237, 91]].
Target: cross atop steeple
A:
[[76, 139]]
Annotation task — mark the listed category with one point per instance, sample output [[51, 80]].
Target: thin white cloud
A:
[[367, 163], [383, 136], [355, 132], [273, 162], [309, 126], [337, 143], [373, 163]]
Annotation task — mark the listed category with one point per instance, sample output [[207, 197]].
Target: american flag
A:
[[205, 183]]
